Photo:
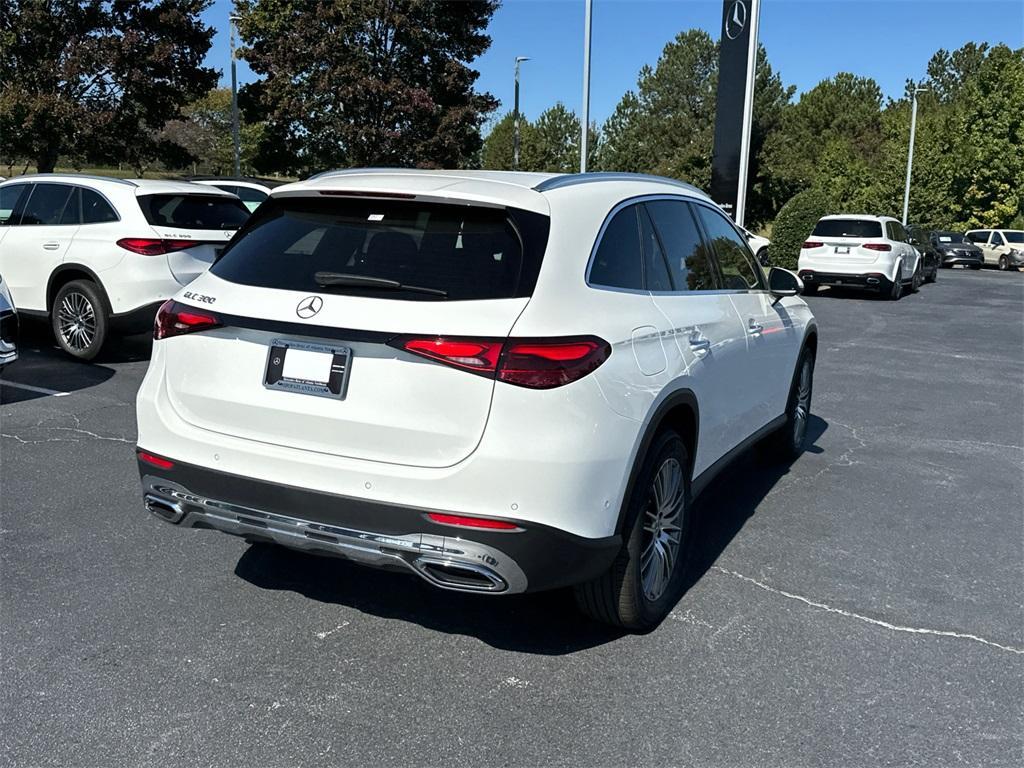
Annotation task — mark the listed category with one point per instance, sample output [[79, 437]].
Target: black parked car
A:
[[952, 248], [920, 238]]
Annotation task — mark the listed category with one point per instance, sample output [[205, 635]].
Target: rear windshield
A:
[[1013, 237], [848, 228], [450, 252], [194, 211]]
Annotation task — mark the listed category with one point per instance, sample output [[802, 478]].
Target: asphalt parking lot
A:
[[862, 606]]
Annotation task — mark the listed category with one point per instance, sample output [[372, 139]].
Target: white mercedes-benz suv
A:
[[499, 382], [93, 254], [872, 252]]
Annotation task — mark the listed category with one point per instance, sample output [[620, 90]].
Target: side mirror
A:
[[782, 282]]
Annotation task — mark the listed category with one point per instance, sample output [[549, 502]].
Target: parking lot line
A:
[[30, 388]]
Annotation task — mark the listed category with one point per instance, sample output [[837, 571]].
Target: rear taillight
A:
[[812, 244], [150, 246], [174, 319], [877, 246], [533, 363]]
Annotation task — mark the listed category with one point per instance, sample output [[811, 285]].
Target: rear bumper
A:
[[875, 281], [137, 320], [534, 557]]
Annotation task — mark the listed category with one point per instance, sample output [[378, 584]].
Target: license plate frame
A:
[[842, 249], [335, 387]]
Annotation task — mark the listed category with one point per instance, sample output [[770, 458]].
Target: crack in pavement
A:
[[77, 429], [867, 619]]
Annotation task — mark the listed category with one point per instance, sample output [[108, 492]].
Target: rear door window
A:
[[455, 252], [618, 262], [193, 211], [46, 205], [689, 261], [847, 228], [10, 197], [95, 209], [731, 251]]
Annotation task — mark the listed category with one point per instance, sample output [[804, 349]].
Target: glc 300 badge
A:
[[309, 307]]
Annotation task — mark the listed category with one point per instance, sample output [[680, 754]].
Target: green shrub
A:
[[794, 223]]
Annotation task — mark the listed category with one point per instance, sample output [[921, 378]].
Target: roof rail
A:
[[91, 177], [571, 179]]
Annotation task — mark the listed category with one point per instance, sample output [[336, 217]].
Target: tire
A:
[[630, 595], [916, 280], [1004, 263], [762, 256], [896, 287], [79, 319], [976, 267], [789, 441]]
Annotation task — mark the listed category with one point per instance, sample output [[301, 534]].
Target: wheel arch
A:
[[679, 410], [64, 274]]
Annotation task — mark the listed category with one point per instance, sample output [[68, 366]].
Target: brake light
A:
[[877, 246], [151, 246], [157, 461], [812, 244], [472, 522], [174, 319], [533, 363]]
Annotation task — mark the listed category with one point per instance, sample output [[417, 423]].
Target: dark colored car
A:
[[931, 260], [954, 248]]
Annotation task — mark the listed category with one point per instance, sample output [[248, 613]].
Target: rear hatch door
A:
[[846, 239], [280, 325]]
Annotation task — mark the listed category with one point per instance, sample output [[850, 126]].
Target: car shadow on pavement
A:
[[546, 623]]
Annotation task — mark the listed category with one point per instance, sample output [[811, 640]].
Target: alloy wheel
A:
[[77, 321], [1004, 263], [663, 531]]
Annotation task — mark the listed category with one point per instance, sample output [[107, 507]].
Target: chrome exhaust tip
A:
[[463, 577], [167, 511]]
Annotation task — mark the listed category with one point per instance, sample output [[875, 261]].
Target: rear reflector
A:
[[812, 244], [148, 246], [533, 363], [877, 246], [174, 319], [157, 461], [472, 522]]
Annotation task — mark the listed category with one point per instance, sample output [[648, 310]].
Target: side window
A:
[[46, 205], [690, 264], [890, 233], [227, 188], [655, 272], [618, 262], [73, 210], [734, 259], [10, 196], [96, 210], [980, 237], [899, 232], [250, 195], [997, 239]]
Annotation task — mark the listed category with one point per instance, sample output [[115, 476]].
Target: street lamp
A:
[[585, 122], [515, 120], [910, 152], [234, 101]]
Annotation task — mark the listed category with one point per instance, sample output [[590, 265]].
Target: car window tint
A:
[[46, 205], [250, 195], [618, 262], [466, 252], [997, 239], [96, 210], [10, 195], [655, 271], [980, 236], [689, 262], [226, 187], [73, 210], [194, 211], [731, 251], [847, 228], [899, 234]]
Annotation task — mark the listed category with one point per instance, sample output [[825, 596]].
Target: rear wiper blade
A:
[[328, 279]]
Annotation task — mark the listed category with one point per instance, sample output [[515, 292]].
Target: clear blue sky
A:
[[807, 41]]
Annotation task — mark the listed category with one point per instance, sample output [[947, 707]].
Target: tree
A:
[[498, 146], [204, 132], [368, 82], [102, 75], [795, 223]]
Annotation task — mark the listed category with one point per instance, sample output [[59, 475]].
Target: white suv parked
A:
[[93, 254], [872, 252], [497, 381], [1003, 248]]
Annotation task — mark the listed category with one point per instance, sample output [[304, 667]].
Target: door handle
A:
[[754, 328], [700, 345], [51, 246]]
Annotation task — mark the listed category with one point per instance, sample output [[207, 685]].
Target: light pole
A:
[[234, 101], [515, 119], [585, 121], [910, 152]]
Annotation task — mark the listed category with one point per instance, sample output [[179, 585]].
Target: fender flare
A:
[[678, 397], [74, 267]]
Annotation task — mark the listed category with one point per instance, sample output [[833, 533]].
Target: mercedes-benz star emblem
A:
[[736, 20], [309, 306]]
